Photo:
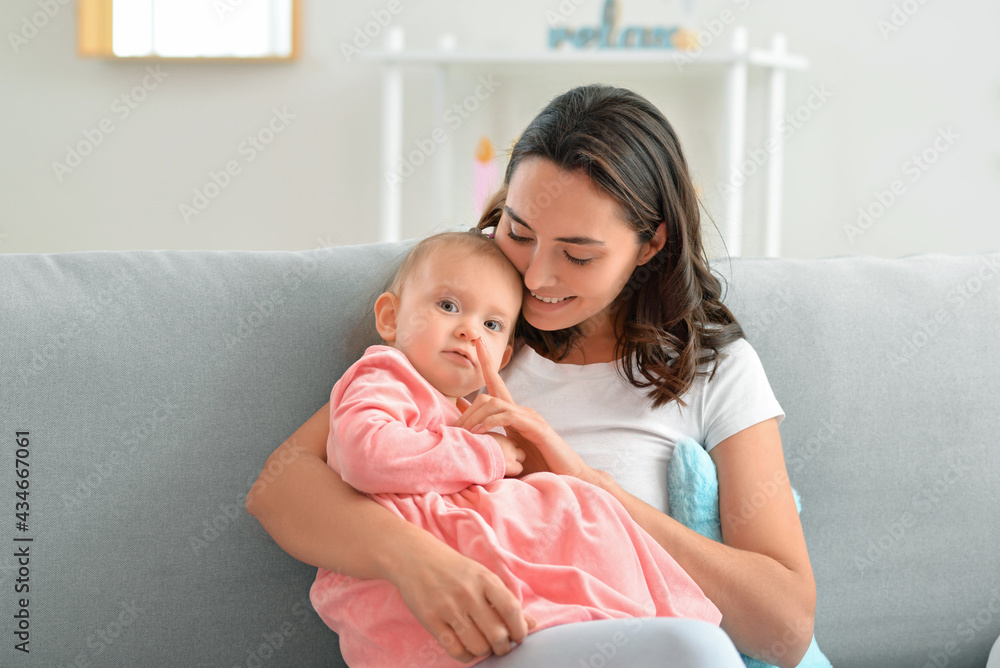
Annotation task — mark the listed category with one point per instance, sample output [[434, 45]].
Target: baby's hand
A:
[[512, 455]]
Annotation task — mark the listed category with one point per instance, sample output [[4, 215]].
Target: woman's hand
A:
[[465, 607], [544, 449]]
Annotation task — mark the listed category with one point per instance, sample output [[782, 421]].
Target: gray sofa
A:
[[153, 385]]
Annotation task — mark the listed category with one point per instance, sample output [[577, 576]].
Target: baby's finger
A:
[[494, 383]]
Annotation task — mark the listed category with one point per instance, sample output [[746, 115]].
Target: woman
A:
[[623, 320]]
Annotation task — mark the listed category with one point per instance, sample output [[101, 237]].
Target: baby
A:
[[392, 436]]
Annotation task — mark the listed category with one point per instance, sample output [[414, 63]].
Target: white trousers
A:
[[656, 642]]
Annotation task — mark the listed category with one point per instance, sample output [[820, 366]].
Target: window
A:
[[230, 29]]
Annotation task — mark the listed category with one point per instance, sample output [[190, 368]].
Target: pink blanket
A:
[[567, 549]]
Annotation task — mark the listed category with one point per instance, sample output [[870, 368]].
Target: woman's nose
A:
[[539, 273]]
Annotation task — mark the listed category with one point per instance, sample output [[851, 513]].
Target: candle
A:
[[484, 177]]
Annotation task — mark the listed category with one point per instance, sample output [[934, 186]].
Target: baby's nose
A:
[[466, 330]]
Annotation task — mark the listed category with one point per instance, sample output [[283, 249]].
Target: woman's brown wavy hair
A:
[[671, 319]]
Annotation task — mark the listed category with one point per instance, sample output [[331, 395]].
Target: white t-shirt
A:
[[613, 427]]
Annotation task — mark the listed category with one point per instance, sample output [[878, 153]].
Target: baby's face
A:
[[452, 299]]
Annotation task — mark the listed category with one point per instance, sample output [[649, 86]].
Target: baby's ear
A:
[[386, 311], [506, 356]]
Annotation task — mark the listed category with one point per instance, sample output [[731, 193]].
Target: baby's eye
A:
[[448, 306], [495, 325]]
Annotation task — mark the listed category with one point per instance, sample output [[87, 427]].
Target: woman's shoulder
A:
[[738, 350], [734, 359], [737, 395]]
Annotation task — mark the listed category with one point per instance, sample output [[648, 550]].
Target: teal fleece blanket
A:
[[693, 491]]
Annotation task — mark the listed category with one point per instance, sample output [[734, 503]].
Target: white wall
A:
[[317, 182]]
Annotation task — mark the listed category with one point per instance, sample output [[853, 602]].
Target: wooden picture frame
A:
[[95, 36]]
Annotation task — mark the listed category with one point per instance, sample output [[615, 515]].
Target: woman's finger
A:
[[462, 419], [486, 629], [483, 407], [509, 611], [509, 417], [465, 419], [451, 642], [469, 637], [494, 630], [494, 383]]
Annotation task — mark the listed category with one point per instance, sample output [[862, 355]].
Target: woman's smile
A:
[[548, 300], [536, 303]]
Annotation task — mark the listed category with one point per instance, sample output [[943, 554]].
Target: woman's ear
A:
[[654, 245], [386, 310]]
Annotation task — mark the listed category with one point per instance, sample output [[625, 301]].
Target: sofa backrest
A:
[[154, 384], [889, 374]]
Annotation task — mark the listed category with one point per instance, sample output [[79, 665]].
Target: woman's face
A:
[[570, 244]]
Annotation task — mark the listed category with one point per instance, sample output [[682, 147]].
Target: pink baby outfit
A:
[[567, 549]]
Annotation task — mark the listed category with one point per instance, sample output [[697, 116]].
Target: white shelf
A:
[[736, 58], [753, 57]]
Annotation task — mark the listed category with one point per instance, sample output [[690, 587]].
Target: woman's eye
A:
[[448, 306], [576, 260], [514, 237], [495, 325]]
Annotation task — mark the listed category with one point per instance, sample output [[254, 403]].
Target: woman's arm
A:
[[317, 518], [759, 576]]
